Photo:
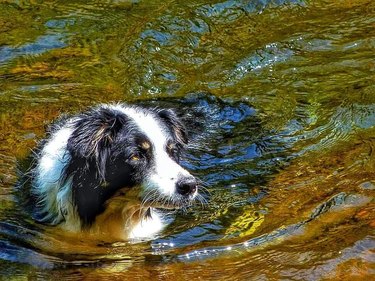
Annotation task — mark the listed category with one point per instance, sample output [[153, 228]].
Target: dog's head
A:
[[115, 147]]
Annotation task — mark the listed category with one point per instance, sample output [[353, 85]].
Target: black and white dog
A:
[[110, 170]]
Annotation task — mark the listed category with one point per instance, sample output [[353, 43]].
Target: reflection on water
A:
[[279, 99]]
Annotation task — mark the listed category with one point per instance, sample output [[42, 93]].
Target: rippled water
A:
[[284, 139]]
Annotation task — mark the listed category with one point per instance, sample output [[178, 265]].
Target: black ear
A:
[[174, 123], [93, 136]]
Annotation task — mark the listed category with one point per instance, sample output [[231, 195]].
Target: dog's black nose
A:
[[186, 186]]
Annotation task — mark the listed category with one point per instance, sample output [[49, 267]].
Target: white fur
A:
[[54, 198], [148, 227]]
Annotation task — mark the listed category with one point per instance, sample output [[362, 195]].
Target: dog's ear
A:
[[174, 123], [93, 136]]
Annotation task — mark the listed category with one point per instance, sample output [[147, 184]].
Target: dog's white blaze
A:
[[54, 198], [167, 171]]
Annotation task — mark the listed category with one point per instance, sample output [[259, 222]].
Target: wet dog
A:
[[109, 170]]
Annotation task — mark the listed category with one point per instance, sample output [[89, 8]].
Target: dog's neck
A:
[[123, 220]]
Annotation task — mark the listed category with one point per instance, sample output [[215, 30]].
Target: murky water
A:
[[286, 92]]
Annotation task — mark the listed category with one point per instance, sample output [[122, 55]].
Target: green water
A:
[[288, 97]]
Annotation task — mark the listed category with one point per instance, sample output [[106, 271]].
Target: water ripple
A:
[[231, 10], [42, 44], [333, 204]]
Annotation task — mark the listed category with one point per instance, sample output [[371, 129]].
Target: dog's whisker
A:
[[203, 201], [148, 195]]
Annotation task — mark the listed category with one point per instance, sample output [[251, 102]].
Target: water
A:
[[285, 91]]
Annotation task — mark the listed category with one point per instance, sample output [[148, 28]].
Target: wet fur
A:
[[107, 170]]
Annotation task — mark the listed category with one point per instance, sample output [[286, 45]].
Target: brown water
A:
[[287, 92]]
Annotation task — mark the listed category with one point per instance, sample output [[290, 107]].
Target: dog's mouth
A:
[[169, 203], [169, 206], [155, 199]]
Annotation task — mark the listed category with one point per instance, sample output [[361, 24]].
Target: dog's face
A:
[[120, 147]]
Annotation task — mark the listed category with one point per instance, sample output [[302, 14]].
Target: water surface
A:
[[285, 91]]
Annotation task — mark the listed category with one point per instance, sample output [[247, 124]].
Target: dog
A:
[[111, 171]]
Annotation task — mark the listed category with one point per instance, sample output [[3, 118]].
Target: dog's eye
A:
[[173, 151], [135, 157]]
